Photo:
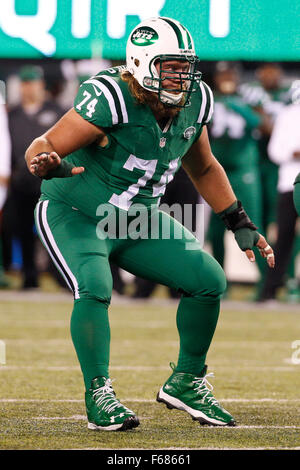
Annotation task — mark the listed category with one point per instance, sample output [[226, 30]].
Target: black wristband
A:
[[237, 218]]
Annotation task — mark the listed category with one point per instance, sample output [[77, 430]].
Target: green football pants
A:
[[81, 253]]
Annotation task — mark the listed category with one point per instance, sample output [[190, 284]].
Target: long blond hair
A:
[[148, 97]]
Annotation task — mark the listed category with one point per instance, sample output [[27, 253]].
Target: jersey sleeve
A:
[[254, 96], [206, 104], [100, 101]]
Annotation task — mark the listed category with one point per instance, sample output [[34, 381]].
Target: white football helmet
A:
[[160, 40]]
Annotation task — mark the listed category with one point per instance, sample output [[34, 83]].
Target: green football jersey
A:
[[140, 157], [231, 133]]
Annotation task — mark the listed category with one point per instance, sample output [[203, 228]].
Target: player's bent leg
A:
[[91, 338], [90, 332], [188, 388], [202, 282], [71, 240]]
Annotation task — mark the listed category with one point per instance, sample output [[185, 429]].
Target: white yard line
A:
[[37, 400], [66, 368], [41, 296], [70, 418], [291, 368], [191, 449], [83, 418], [150, 400], [57, 418]]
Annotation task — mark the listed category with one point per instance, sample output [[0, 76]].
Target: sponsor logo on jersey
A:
[[189, 132], [144, 36]]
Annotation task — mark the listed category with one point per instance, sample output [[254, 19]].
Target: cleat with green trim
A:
[[193, 394], [104, 411]]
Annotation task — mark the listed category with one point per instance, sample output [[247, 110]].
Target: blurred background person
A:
[[232, 143], [5, 166], [284, 150], [32, 117], [268, 95]]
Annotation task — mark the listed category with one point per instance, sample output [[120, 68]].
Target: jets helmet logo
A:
[[189, 132], [144, 36]]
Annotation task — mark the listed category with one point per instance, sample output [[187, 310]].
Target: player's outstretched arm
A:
[[210, 179], [44, 155]]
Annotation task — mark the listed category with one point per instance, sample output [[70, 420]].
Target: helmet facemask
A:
[[187, 81]]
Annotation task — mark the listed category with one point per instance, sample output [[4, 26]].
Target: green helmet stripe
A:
[[190, 42], [177, 31]]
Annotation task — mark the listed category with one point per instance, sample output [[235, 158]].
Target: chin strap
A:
[[170, 98]]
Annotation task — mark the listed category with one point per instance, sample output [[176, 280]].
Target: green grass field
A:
[[41, 389]]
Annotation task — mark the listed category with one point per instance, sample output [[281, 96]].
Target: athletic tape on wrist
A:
[[237, 218]]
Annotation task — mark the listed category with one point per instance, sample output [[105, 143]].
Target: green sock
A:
[[90, 333], [196, 323]]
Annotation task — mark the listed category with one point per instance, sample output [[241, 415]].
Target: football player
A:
[[128, 133]]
